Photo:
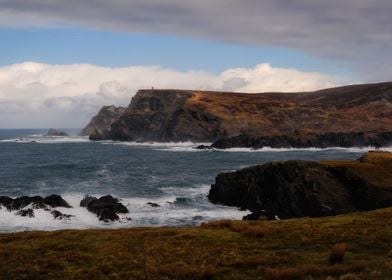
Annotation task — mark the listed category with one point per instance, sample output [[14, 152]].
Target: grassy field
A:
[[354, 246]]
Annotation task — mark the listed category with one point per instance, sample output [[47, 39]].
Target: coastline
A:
[[288, 249]]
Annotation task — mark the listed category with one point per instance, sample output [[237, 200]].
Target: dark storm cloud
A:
[[356, 33]]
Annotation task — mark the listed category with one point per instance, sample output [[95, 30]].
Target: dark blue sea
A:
[[174, 175]]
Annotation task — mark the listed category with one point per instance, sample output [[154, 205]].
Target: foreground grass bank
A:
[[288, 249]]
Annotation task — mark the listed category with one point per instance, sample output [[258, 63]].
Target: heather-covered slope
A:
[[181, 115]]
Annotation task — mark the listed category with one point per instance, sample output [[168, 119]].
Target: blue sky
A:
[[64, 59], [119, 49]]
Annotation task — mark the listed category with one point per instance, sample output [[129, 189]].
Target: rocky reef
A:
[[345, 115], [99, 126], [305, 140], [106, 207], [298, 188], [25, 205]]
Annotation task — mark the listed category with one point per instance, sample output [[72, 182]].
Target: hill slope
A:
[[182, 115]]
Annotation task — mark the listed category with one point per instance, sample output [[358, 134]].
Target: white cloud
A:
[[40, 95]]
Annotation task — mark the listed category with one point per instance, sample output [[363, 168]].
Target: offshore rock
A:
[[302, 188], [54, 132]]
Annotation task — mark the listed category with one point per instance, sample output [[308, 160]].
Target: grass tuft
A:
[[337, 253]]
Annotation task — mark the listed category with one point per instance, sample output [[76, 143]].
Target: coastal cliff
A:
[[100, 125], [303, 188], [207, 116]]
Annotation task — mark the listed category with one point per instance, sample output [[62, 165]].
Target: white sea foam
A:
[[177, 207], [191, 147], [47, 139], [161, 146]]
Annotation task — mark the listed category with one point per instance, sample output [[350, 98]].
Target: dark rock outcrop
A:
[[54, 132], [303, 140], [56, 200], [279, 119], [106, 207], [99, 126], [303, 188], [37, 202]]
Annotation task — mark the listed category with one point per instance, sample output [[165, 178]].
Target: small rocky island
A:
[[298, 188], [55, 132], [356, 115]]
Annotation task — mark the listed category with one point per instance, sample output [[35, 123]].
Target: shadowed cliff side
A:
[[303, 188], [99, 126], [187, 115]]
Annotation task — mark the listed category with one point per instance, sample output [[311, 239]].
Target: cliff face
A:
[[302, 188], [181, 115], [100, 125]]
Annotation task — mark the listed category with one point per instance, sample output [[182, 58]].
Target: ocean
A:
[[174, 175]]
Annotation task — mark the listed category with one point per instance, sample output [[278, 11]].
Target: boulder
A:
[[106, 207]]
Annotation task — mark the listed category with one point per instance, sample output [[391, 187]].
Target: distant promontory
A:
[[356, 115]]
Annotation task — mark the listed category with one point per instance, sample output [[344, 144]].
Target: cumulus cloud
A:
[[34, 95], [355, 33]]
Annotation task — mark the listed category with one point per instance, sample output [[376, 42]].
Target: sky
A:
[[64, 59]]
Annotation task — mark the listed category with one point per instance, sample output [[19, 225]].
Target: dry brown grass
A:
[[314, 271], [216, 250], [250, 229]]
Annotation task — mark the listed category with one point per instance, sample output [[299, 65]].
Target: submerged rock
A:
[[26, 213], [302, 188], [54, 132], [106, 207], [152, 204], [57, 215]]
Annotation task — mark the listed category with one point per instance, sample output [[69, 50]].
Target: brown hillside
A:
[[178, 115]]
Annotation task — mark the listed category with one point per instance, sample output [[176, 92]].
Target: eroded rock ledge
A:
[[306, 140], [303, 188]]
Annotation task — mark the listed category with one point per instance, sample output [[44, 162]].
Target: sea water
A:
[[175, 176]]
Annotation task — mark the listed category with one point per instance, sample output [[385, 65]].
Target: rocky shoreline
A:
[[106, 207], [298, 140], [296, 188]]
